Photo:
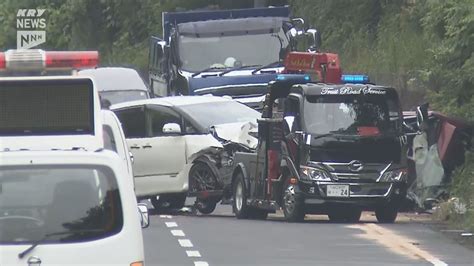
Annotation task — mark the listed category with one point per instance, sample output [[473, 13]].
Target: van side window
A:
[[133, 122], [160, 116]]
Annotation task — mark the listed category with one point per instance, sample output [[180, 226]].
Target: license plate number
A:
[[337, 191]]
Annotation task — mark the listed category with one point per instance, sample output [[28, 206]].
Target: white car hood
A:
[[241, 132]]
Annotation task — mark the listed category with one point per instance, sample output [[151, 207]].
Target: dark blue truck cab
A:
[[222, 52]]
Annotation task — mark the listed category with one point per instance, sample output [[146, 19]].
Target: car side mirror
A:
[[144, 216], [171, 128], [132, 158], [314, 40]]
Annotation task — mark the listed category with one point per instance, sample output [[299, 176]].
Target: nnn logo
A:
[[30, 25]]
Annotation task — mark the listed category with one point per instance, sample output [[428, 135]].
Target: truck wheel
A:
[[239, 206], [387, 213], [169, 201], [206, 206], [292, 205]]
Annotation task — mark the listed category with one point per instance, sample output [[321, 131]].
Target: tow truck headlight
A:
[[398, 175], [316, 174]]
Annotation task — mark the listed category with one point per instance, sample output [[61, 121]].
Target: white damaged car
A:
[[184, 145]]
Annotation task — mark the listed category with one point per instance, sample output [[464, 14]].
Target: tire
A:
[[206, 206], [386, 213], [201, 178], [239, 205], [169, 201], [292, 205], [345, 215]]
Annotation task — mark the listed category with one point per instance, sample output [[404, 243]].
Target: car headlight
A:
[[316, 174], [399, 175]]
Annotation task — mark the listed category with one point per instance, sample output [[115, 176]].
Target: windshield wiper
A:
[[47, 236], [236, 68], [266, 66], [330, 133], [206, 70], [322, 136]]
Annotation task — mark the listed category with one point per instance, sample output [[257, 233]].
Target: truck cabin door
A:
[[157, 65], [291, 124]]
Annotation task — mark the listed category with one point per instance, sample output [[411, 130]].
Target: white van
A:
[[64, 199], [68, 207], [114, 140]]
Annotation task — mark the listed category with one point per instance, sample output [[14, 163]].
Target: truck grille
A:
[[342, 171]]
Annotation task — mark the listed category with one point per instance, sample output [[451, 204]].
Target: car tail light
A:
[[137, 263], [75, 60]]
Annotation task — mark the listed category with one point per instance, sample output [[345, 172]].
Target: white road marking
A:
[[193, 253], [166, 216], [177, 233], [171, 224], [185, 243]]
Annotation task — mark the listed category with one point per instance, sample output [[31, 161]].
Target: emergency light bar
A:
[[37, 60], [294, 77], [355, 79]]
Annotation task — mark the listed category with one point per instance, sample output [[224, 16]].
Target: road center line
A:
[[396, 243], [201, 263], [185, 243], [177, 233], [166, 216], [171, 224], [193, 253]]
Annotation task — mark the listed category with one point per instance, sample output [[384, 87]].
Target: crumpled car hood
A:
[[244, 133]]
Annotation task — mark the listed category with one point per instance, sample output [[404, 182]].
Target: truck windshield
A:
[[348, 114], [39, 201], [198, 53]]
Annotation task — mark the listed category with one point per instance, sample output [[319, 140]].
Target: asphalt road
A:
[[221, 239]]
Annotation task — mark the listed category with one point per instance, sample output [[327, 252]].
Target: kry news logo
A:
[[30, 28]]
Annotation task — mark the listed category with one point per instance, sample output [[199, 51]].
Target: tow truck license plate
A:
[[337, 191]]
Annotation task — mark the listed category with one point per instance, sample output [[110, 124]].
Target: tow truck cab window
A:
[[158, 116], [74, 203], [292, 114], [133, 122], [344, 114]]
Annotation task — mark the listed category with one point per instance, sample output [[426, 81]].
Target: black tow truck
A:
[[324, 149]]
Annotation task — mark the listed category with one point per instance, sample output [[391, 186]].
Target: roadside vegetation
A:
[[424, 48]]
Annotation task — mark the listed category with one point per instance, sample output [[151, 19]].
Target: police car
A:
[[63, 197]]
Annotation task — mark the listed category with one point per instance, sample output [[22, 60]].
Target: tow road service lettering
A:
[[351, 91]]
